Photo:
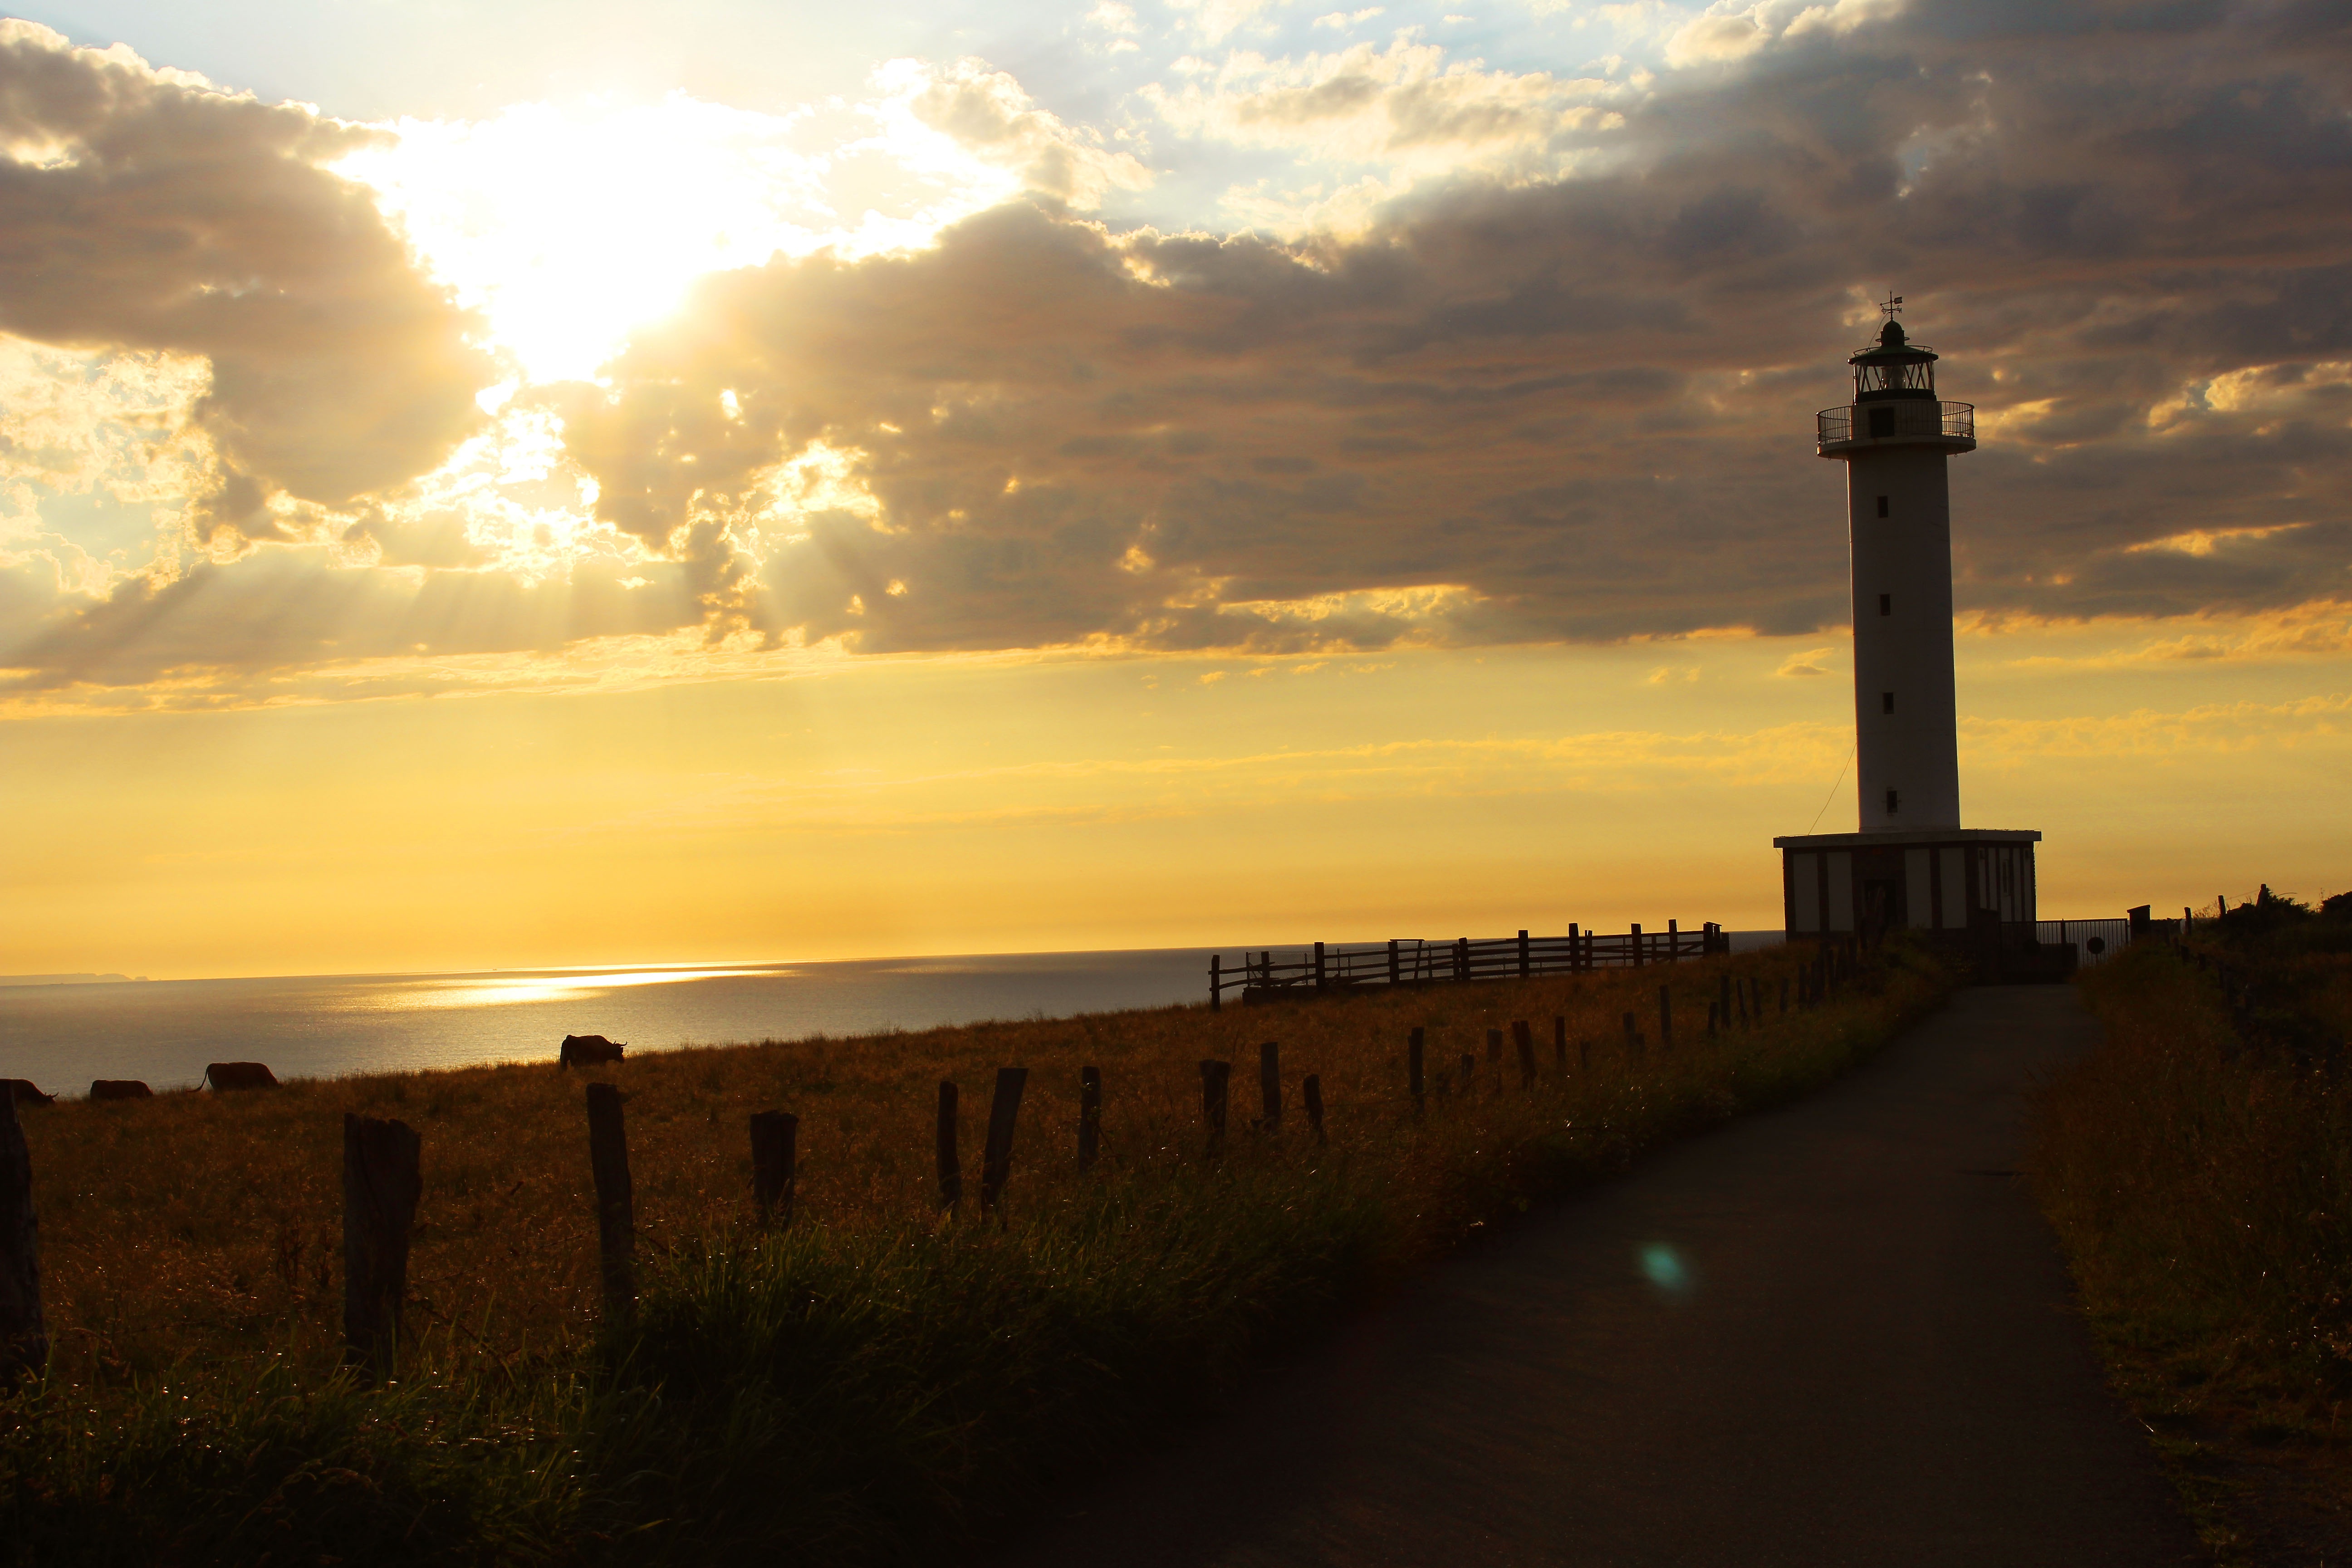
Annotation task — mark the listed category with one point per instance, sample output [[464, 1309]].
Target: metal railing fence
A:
[[1894, 419]]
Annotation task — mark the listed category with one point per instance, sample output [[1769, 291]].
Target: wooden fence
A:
[[1262, 977]]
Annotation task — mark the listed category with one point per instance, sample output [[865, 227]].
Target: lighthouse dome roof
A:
[[1894, 347]]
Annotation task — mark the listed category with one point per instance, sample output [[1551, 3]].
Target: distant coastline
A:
[[71, 978]]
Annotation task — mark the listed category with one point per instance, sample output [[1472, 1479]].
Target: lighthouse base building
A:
[[1942, 879], [1911, 865]]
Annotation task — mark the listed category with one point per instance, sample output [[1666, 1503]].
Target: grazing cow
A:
[[26, 1093], [239, 1075], [120, 1089], [589, 1051]]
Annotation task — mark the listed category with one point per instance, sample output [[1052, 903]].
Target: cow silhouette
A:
[[239, 1075], [589, 1051], [120, 1089], [26, 1093]]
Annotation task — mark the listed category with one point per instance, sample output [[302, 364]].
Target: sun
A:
[[568, 227]]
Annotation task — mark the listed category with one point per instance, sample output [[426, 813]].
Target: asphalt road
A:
[[1835, 1333]]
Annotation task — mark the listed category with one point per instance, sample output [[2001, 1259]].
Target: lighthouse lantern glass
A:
[[1885, 378]]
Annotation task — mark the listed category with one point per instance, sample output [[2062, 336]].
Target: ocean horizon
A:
[[61, 1031]]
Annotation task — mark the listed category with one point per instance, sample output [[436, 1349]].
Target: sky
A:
[[498, 485]]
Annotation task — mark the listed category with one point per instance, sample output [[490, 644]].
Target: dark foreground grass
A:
[[874, 1384], [2197, 1167]]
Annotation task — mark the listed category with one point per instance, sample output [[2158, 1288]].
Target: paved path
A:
[[1837, 1333]]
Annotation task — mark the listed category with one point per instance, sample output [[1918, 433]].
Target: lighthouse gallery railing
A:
[[1895, 419]]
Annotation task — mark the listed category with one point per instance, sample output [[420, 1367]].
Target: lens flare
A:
[[1663, 1267]]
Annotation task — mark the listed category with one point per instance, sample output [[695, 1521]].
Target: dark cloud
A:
[[144, 209], [1587, 402]]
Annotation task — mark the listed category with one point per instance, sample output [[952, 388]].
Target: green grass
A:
[[875, 1384]]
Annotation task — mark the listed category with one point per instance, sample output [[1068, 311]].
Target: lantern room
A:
[[1892, 368]]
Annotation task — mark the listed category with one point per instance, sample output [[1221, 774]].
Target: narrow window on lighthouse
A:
[[1893, 802], [1885, 604], [1886, 702], [1881, 506]]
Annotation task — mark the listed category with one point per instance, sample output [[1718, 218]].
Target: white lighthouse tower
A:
[[1911, 863]]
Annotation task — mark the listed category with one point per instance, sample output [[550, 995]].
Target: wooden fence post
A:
[[1269, 1084], [996, 1154], [1318, 966], [616, 1231], [1462, 958], [1412, 1065], [1560, 1042], [1525, 1039], [775, 1163], [23, 1331], [1393, 978], [381, 1184], [1674, 942], [1575, 948], [1216, 984], [1637, 945], [950, 1168], [1523, 955], [1089, 1116], [1214, 1078], [1665, 1017], [1310, 1089]]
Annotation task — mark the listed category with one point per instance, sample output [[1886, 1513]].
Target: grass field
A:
[[875, 1382], [2199, 1169]]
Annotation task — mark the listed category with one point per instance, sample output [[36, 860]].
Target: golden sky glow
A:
[[964, 806], [1127, 474]]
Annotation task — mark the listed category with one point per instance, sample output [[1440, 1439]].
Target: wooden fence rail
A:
[[1262, 977]]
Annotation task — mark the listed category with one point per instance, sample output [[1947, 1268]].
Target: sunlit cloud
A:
[[1403, 114], [569, 227]]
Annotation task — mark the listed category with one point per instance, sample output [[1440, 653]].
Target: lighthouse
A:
[[1909, 863]]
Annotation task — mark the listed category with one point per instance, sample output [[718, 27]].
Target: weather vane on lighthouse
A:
[[1911, 864]]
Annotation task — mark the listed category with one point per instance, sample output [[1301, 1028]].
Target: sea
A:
[[61, 1033]]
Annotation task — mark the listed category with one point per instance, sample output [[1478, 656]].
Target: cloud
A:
[[1732, 32], [1406, 108], [1567, 407], [1217, 20], [150, 211], [1546, 381], [1812, 661], [987, 112]]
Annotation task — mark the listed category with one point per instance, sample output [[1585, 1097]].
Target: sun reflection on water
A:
[[544, 985]]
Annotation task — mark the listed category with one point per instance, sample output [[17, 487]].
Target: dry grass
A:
[[212, 1223], [193, 1242], [2198, 1168]]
